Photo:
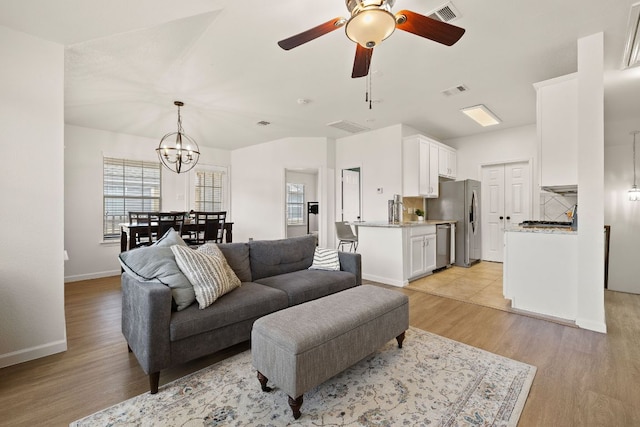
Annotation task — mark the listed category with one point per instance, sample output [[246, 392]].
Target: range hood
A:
[[563, 190]]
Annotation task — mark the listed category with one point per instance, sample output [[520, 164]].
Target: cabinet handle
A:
[[508, 218], [501, 218]]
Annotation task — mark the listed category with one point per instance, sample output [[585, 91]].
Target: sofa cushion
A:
[[249, 301], [274, 257], [207, 272], [305, 285], [325, 259], [156, 264], [237, 255]]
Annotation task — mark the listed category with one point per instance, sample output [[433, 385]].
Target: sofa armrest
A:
[[351, 262], [146, 315]]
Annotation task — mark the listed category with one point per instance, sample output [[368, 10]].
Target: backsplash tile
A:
[[553, 207]]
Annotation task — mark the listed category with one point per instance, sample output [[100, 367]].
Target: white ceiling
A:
[[126, 62]]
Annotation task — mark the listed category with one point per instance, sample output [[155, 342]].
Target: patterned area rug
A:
[[431, 381]]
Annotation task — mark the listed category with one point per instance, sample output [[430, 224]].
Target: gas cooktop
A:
[[545, 224]]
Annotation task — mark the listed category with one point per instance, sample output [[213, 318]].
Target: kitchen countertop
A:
[[401, 224], [546, 230]]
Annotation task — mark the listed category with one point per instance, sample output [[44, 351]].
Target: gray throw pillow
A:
[[156, 264]]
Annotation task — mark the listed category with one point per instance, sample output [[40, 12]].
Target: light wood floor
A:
[[583, 379]]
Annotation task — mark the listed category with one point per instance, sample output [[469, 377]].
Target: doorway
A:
[[506, 201], [351, 204], [301, 202]]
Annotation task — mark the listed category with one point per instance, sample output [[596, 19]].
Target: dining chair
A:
[[167, 220], [346, 236], [144, 224], [209, 227]]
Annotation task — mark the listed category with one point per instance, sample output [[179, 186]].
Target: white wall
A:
[[32, 322], [623, 216], [89, 256], [258, 182], [378, 154], [591, 313]]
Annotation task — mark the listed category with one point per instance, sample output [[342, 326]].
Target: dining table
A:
[[129, 232]]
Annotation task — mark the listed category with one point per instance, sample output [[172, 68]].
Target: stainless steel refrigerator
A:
[[460, 201]]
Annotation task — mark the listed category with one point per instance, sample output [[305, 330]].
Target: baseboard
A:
[[98, 275], [32, 353], [592, 325], [385, 280]]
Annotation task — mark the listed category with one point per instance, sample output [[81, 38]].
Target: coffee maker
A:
[[395, 209]]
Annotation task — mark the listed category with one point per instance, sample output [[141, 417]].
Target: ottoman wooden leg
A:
[[295, 404], [400, 338], [263, 382]]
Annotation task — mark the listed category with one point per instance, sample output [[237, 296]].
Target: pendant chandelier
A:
[[177, 150], [634, 193]]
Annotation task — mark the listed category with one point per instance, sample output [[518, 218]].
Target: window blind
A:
[[295, 204], [209, 188], [128, 185]]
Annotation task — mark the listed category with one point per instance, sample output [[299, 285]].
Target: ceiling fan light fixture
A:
[[481, 115], [370, 27]]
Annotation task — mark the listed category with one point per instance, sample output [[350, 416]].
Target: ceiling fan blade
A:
[[362, 61], [426, 27], [313, 33]]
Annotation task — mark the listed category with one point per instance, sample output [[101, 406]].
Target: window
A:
[[128, 185], [209, 186], [295, 204]]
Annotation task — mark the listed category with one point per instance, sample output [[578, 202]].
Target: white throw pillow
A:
[[325, 259], [208, 274]]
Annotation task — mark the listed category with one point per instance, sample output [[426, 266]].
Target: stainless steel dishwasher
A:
[[443, 245]]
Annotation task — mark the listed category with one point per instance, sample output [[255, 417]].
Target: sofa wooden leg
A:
[[400, 338], [295, 404], [154, 381], [129, 348], [263, 382]]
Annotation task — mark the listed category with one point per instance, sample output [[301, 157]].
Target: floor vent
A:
[[445, 13], [348, 126], [455, 90]]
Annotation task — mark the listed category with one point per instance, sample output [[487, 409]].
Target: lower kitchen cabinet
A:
[[422, 254], [395, 253]]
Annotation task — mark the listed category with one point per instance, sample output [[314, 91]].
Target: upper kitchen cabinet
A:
[[447, 161], [420, 166], [557, 113]]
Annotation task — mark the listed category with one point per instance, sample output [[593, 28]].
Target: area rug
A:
[[431, 381]]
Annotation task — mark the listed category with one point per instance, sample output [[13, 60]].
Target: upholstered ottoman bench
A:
[[302, 346]]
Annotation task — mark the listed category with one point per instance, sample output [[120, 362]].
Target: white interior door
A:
[[492, 212], [506, 202], [351, 194]]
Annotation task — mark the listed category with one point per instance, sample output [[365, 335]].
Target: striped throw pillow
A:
[[208, 274], [325, 259]]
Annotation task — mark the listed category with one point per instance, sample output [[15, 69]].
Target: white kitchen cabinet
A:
[[557, 127], [540, 272], [422, 251], [420, 167], [447, 158]]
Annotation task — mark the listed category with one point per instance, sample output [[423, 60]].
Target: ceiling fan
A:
[[370, 23]]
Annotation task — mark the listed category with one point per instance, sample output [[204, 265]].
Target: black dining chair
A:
[[167, 220], [209, 227], [144, 223]]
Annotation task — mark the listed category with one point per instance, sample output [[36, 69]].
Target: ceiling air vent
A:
[[455, 90], [445, 13], [263, 123], [347, 126], [632, 45]]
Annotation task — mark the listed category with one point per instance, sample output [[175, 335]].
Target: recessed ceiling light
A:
[[482, 115]]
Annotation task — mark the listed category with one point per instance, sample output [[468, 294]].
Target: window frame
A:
[[295, 204]]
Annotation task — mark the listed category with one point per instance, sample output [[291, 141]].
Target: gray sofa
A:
[[275, 274]]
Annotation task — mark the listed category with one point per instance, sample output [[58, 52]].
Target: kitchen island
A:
[[394, 253], [541, 270]]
